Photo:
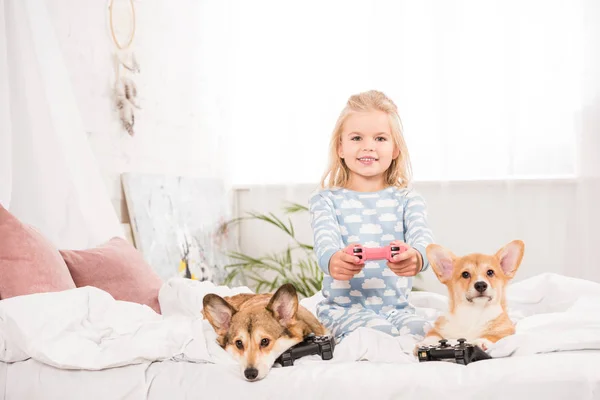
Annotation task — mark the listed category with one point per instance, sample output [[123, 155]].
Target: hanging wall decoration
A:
[[126, 66]]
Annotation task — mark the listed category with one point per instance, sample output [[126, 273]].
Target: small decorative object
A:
[[177, 224], [194, 261], [126, 65]]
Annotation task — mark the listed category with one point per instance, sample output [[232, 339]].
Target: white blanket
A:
[[552, 313], [86, 328]]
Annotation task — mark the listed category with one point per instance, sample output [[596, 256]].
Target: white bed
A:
[[565, 375], [83, 344]]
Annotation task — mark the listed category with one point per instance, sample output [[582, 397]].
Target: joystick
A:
[[321, 345], [375, 253], [461, 353]]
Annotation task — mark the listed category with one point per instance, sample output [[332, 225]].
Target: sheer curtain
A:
[[5, 126], [588, 188], [499, 101], [48, 175], [486, 89]]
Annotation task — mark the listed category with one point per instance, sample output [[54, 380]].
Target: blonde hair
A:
[[399, 172]]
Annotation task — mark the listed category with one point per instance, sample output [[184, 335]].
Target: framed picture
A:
[[176, 222]]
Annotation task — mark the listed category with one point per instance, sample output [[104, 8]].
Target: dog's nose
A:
[[480, 286], [251, 373]]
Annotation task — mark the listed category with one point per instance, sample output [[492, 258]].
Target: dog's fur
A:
[[256, 328], [479, 316]]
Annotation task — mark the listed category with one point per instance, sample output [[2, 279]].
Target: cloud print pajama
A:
[[375, 297]]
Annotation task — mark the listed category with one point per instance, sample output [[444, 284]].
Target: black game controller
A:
[[322, 345], [461, 353]]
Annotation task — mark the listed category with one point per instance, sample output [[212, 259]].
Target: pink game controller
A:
[[375, 253]]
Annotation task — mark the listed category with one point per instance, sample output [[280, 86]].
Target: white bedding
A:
[[87, 329], [563, 375]]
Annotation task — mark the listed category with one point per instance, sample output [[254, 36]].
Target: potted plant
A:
[[295, 264]]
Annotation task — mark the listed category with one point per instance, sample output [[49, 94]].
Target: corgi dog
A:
[[476, 286], [257, 328]]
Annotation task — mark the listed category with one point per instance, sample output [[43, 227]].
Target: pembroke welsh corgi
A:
[[257, 328], [476, 294]]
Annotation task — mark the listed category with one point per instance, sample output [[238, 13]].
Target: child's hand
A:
[[343, 266], [408, 263]]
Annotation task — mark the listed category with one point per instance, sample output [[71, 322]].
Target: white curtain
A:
[[588, 188], [500, 102], [49, 177], [5, 125], [487, 89]]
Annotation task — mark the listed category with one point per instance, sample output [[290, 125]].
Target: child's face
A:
[[366, 144]]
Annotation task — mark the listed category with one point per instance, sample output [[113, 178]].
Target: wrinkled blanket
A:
[[85, 328]]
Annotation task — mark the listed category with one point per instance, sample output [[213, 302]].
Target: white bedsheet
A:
[[86, 328], [552, 313], [551, 376]]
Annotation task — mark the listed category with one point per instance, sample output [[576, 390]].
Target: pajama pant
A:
[[341, 321]]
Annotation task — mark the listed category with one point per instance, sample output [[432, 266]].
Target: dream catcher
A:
[[125, 93]]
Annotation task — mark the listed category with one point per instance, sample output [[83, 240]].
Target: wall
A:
[[172, 134], [177, 132], [465, 217]]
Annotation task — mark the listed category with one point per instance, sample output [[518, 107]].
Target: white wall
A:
[[178, 132], [171, 130], [466, 217]]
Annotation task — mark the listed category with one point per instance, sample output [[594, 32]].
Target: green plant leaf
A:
[[295, 208], [286, 266]]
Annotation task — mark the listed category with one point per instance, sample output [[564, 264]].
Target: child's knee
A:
[[418, 327], [333, 318], [409, 324], [372, 321], [341, 322]]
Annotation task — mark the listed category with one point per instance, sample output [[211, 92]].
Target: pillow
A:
[[117, 268], [29, 263]]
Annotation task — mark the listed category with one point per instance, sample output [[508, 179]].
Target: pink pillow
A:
[[117, 268], [29, 263]]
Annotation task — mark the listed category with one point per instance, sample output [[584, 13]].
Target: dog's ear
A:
[[510, 257], [442, 261], [218, 312], [284, 304]]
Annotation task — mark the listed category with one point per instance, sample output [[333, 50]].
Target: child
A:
[[365, 200]]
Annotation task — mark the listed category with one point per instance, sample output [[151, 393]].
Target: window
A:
[[485, 89]]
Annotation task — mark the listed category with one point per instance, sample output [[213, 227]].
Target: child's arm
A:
[[417, 233], [326, 231]]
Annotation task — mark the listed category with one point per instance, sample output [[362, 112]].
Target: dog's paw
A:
[[416, 349], [428, 341], [484, 344]]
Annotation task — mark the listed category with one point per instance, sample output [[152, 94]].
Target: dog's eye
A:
[[490, 272], [239, 344], [264, 342], [466, 275]]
